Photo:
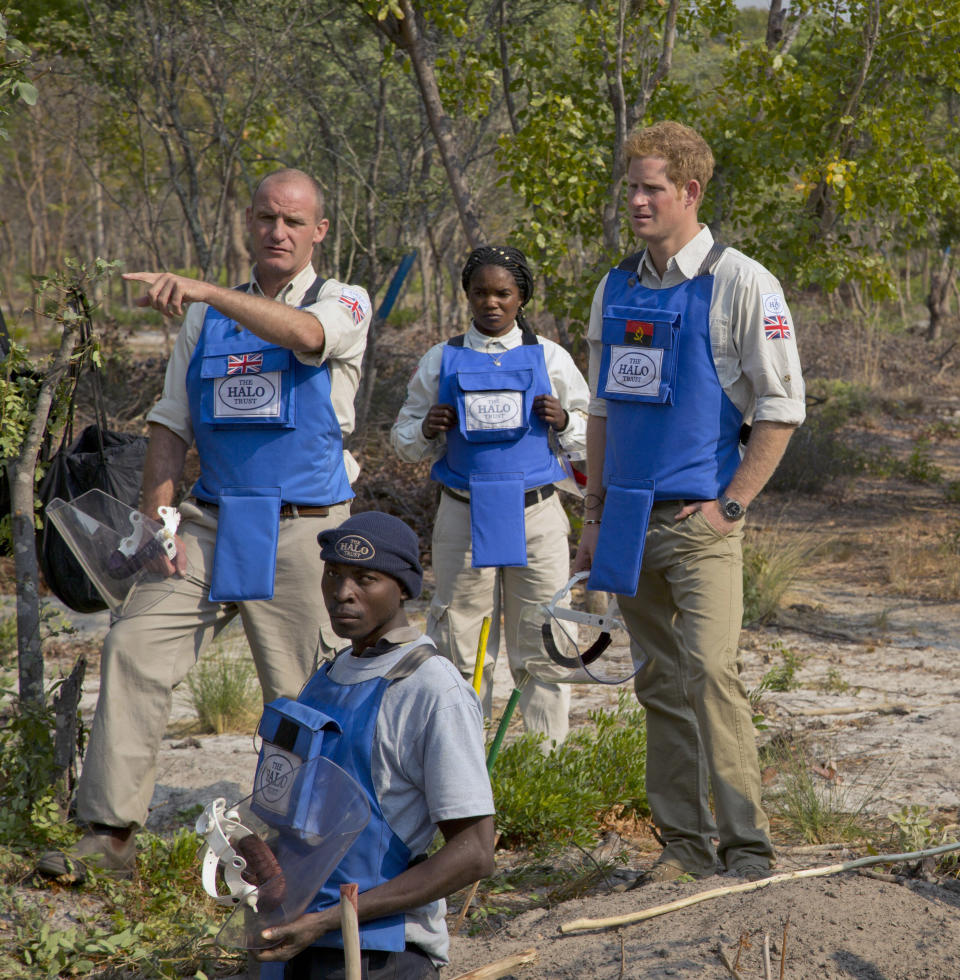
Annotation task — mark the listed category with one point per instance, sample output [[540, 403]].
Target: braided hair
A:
[[511, 259]]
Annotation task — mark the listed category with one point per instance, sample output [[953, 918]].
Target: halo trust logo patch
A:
[[634, 369], [354, 547], [495, 409], [248, 394]]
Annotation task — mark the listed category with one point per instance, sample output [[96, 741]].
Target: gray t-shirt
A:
[[428, 760]]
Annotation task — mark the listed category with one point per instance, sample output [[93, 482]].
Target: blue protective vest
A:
[[267, 435], [338, 722], [500, 447], [262, 417], [671, 433]]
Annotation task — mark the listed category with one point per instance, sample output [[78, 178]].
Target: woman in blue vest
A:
[[492, 407]]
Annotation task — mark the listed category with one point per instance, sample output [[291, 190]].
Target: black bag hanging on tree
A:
[[98, 459]]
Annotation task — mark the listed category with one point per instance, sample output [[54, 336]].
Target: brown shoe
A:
[[107, 849], [662, 871]]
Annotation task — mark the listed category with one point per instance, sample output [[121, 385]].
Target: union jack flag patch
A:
[[355, 301], [776, 327], [244, 363]]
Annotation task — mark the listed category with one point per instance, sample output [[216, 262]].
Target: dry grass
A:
[[225, 693], [773, 559], [924, 563]]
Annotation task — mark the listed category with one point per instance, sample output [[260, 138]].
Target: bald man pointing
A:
[[262, 379]]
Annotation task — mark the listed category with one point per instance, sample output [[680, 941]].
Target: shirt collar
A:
[[479, 341], [292, 294], [686, 262], [391, 640]]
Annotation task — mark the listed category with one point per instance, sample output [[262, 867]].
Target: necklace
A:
[[495, 357]]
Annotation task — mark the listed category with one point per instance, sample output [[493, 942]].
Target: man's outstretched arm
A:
[[274, 322]]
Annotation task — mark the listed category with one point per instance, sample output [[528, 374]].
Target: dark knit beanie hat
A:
[[378, 541]]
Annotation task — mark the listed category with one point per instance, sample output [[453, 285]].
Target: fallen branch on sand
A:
[[500, 968], [582, 925]]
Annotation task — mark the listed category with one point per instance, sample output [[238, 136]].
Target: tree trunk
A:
[[627, 115], [22, 484], [66, 703], [942, 274], [368, 374], [405, 34]]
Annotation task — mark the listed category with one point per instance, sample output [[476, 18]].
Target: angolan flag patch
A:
[[776, 327], [638, 332]]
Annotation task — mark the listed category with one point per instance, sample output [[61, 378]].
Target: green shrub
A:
[[225, 693], [920, 468], [29, 805], [549, 801]]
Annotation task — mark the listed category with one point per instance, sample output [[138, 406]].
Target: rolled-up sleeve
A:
[[758, 362], [344, 312]]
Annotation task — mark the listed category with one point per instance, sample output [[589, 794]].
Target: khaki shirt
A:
[[344, 344], [760, 374]]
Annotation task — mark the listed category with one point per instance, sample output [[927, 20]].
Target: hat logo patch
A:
[[354, 547]]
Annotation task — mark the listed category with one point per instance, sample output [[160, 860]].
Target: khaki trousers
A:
[[464, 595], [165, 627], [686, 618]]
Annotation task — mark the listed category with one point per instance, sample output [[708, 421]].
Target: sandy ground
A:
[[879, 696]]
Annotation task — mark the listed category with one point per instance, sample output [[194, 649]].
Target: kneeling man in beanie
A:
[[412, 736]]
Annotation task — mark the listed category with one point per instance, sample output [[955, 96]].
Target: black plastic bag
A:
[[97, 460]]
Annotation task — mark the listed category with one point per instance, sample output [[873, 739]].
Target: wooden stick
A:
[[766, 957], [725, 960], [783, 947], [582, 925], [500, 968], [350, 927]]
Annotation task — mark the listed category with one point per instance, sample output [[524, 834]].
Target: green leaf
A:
[[27, 92]]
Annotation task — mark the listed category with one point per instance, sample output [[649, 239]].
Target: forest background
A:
[[137, 130]]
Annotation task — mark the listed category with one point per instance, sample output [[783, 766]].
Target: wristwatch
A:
[[732, 509]]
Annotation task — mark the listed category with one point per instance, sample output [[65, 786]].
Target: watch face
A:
[[732, 510]]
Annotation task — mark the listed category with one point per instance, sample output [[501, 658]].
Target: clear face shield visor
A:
[[269, 874], [116, 545], [582, 646]]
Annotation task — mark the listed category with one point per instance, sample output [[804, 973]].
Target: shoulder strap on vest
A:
[[711, 258], [457, 341], [419, 655], [309, 297], [631, 262]]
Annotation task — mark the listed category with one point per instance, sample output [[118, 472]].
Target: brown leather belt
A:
[[530, 497], [286, 510]]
